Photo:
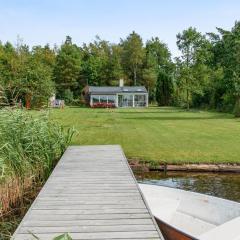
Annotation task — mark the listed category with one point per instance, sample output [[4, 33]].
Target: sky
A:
[[39, 22]]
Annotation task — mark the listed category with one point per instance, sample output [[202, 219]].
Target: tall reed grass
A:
[[29, 149]]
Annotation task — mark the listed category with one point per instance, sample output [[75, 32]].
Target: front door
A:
[[125, 100]]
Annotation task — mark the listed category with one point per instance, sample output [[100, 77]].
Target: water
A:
[[216, 184]]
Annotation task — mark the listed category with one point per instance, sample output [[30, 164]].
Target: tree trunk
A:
[[188, 107], [237, 107], [28, 98], [187, 80], [135, 76]]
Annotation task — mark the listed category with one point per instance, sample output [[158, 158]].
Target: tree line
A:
[[206, 73]]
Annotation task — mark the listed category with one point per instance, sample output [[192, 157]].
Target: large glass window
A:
[[103, 99], [111, 99], [95, 99], [125, 100], [140, 101]]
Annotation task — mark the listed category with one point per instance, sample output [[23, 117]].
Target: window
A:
[[125, 100], [140, 100], [111, 99], [103, 99], [95, 99]]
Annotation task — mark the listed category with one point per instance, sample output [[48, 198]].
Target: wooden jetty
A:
[[91, 194]]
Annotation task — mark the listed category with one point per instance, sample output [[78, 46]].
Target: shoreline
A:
[[192, 167]]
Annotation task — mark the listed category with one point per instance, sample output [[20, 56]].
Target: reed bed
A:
[[29, 149]]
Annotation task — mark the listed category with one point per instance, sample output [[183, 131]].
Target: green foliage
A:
[[149, 76], [206, 74], [133, 55], [164, 89], [29, 149], [116, 66], [97, 63], [67, 67], [68, 96], [228, 44], [236, 110], [158, 58], [3, 98], [26, 74], [37, 82], [160, 53], [192, 68], [29, 144], [64, 236]]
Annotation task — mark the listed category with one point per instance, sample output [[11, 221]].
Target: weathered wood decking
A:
[[91, 194]]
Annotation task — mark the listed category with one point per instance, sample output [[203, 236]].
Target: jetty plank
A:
[[91, 194]]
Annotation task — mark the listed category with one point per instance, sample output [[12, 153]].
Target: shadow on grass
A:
[[154, 110], [141, 111], [78, 106], [157, 112], [179, 118]]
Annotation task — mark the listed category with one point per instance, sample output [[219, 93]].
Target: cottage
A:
[[122, 96]]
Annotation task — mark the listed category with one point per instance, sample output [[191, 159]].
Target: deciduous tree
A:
[[133, 55], [192, 45], [67, 67]]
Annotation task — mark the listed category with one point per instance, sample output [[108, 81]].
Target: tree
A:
[[133, 55], [194, 50], [115, 64], [230, 61], [68, 66], [158, 58], [149, 74], [97, 66], [160, 53], [25, 74], [14, 68], [45, 55], [164, 89], [37, 84]]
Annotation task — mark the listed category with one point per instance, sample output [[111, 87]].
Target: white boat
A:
[[183, 215]]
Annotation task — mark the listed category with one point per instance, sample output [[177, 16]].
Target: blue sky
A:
[[49, 21]]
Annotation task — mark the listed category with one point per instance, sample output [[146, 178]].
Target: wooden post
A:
[[28, 99]]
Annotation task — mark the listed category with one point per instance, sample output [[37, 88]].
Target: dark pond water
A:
[[216, 184]]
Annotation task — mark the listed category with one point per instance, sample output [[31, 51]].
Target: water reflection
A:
[[216, 184]]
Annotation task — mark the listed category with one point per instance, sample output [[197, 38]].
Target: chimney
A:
[[121, 83]]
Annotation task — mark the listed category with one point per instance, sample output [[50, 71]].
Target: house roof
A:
[[114, 90]]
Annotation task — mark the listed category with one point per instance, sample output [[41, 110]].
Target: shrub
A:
[[164, 89], [103, 105], [68, 96]]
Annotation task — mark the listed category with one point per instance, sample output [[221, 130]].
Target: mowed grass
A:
[[158, 135]]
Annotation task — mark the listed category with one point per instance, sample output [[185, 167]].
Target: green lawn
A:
[[158, 134]]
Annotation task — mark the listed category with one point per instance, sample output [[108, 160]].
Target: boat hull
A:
[[183, 215], [171, 233]]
